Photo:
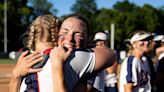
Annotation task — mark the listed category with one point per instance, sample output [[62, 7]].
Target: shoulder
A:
[[82, 61], [130, 60]]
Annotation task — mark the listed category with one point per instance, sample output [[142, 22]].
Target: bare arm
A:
[[105, 57], [15, 82], [58, 57], [128, 87], [22, 68], [112, 68]]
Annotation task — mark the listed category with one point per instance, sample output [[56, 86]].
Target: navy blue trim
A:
[[31, 82], [129, 69], [31, 79], [83, 49]]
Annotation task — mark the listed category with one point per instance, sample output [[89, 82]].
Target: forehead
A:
[[73, 24]]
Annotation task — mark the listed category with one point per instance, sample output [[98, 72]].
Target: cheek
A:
[[80, 42], [60, 39]]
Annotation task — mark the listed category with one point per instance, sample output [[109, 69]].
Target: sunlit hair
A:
[[43, 28]]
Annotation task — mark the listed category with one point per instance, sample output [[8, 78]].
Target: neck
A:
[[43, 46], [137, 53]]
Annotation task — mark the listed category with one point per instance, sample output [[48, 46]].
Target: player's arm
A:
[[22, 68], [58, 56], [105, 57], [128, 87]]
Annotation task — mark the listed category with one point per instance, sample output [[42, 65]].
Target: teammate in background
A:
[[160, 69], [135, 71], [110, 76]]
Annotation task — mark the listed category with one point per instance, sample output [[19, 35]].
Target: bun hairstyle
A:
[[45, 29]]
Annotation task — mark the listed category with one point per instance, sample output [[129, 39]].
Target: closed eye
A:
[[64, 31]]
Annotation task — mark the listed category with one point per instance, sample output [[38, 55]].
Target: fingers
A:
[[31, 55], [68, 53], [36, 60], [60, 54], [30, 59], [24, 54], [35, 70], [35, 56]]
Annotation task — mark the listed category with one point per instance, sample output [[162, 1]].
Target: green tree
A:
[[17, 18], [105, 17], [160, 14], [148, 18], [125, 6], [126, 16], [41, 7], [20, 14], [87, 9]]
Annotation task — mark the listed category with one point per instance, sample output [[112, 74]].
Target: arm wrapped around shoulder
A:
[[105, 57]]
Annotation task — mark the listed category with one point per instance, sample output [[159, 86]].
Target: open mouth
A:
[[69, 45]]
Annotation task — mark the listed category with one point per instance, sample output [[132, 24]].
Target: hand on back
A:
[[25, 63]]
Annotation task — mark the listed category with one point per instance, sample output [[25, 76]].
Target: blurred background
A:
[[126, 16]]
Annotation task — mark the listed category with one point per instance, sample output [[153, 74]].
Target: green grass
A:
[[7, 61]]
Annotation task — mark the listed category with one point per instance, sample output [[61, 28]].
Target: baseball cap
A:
[[100, 36], [158, 38], [140, 36]]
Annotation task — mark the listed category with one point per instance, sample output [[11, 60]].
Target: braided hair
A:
[[44, 28]]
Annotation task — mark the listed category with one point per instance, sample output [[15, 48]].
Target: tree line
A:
[[126, 16]]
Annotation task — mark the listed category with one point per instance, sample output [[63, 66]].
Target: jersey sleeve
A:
[[83, 62], [78, 66], [131, 76]]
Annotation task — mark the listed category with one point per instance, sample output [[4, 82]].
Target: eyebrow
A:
[[65, 29]]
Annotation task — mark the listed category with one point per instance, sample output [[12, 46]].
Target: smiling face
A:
[[142, 46], [72, 33]]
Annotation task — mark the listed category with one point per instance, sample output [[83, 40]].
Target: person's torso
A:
[[74, 69], [136, 71]]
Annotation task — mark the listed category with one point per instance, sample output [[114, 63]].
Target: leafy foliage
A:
[[19, 16], [41, 7], [126, 16]]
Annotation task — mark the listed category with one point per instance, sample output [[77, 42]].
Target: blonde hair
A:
[[44, 28]]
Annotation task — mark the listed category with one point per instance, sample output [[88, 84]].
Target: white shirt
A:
[[79, 64], [137, 72]]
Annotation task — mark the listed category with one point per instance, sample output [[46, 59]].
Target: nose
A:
[[71, 38]]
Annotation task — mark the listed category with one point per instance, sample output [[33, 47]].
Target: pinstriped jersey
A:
[[137, 72], [79, 64]]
